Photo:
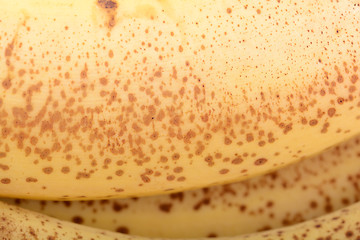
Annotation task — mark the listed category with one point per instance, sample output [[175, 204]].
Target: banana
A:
[[120, 98], [299, 192], [18, 223]]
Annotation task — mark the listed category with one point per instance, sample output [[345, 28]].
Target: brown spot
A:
[[349, 234], [227, 141], [103, 81], [157, 74], [212, 235], [107, 4], [33, 140], [9, 49], [331, 112], [5, 180], [123, 230], [6, 83], [178, 169], [228, 10], [119, 173], [165, 207], [4, 167], [237, 160], [2, 154], [354, 78], [179, 196], [170, 178], [224, 171], [83, 73], [313, 204], [65, 170], [260, 161], [132, 98], [111, 54], [145, 178], [340, 100], [287, 128], [77, 219], [249, 137], [48, 170], [31, 179], [313, 122], [118, 207], [21, 72]]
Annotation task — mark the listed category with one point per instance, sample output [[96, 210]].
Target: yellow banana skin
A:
[[299, 192], [119, 98], [18, 223]]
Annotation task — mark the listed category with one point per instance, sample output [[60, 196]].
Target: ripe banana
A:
[[18, 223], [299, 192], [120, 98]]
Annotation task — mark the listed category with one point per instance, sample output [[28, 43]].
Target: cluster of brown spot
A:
[[159, 101]]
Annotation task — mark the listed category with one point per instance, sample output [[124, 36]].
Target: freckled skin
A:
[[185, 81], [299, 192], [17, 223]]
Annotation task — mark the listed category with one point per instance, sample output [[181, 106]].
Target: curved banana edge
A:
[[18, 223], [299, 192]]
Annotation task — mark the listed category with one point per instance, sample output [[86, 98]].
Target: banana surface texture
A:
[[299, 192], [18, 223], [119, 98]]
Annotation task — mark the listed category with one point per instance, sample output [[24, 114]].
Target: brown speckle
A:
[[123, 230], [107, 4], [48, 170], [5, 180], [77, 219], [165, 207], [260, 161]]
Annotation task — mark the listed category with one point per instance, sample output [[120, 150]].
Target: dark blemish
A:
[[5, 181], [65, 170], [237, 160], [31, 179], [313, 122], [340, 100], [260, 161], [205, 201], [178, 195], [165, 207], [331, 112], [145, 178], [6, 83], [349, 234], [107, 4], [212, 235], [110, 7], [48, 170], [9, 49], [123, 230], [4, 167], [118, 207], [77, 219], [224, 171]]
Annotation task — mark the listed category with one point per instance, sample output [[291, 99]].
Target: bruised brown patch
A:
[[109, 6]]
